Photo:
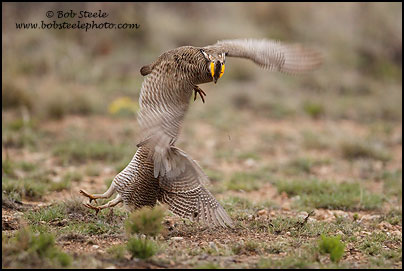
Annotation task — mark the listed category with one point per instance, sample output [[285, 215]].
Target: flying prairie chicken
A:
[[159, 171]]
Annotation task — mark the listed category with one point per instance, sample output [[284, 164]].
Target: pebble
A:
[[385, 225], [96, 246], [262, 212], [250, 162], [370, 217], [177, 238]]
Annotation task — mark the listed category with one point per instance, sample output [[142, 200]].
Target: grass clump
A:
[[208, 265], [145, 221], [333, 246], [117, 251], [47, 214], [377, 244], [27, 249], [80, 150], [246, 181], [294, 262], [314, 110], [393, 183], [246, 248], [357, 149], [312, 140], [330, 195], [303, 165], [61, 185], [142, 248], [18, 189]]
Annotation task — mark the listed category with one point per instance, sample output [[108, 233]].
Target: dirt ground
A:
[[186, 246]]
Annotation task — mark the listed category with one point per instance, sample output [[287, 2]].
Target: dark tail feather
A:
[[145, 70]]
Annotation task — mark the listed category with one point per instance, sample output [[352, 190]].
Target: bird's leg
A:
[[201, 93], [109, 204], [94, 197]]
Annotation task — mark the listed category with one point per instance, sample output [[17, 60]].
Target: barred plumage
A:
[[159, 171]]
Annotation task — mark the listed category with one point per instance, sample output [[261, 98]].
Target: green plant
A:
[[333, 246], [27, 249], [145, 220], [314, 110], [142, 248]]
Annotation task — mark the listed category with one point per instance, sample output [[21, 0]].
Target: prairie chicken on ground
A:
[[159, 171]]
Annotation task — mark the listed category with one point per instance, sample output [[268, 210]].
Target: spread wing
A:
[[185, 195], [271, 55]]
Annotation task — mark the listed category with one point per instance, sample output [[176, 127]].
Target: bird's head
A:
[[215, 64]]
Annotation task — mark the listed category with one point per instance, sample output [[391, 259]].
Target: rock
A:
[[385, 225], [250, 162], [370, 217], [177, 238], [96, 246], [262, 212]]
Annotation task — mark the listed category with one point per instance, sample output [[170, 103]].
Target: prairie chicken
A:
[[159, 171]]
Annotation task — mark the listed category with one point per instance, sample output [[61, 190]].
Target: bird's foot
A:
[[201, 93], [88, 195], [96, 208]]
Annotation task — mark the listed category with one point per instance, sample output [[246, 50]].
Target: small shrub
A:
[[23, 188], [356, 150], [59, 186], [141, 248], [207, 266], [46, 214], [27, 249], [247, 247], [332, 246], [73, 176], [314, 110], [145, 221], [117, 251]]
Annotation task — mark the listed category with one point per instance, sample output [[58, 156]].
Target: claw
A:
[[91, 197], [201, 93], [96, 208]]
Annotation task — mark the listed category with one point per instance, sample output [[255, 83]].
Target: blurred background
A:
[[71, 96], [54, 73]]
